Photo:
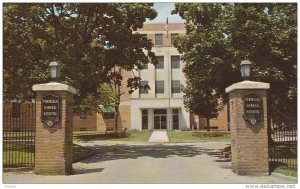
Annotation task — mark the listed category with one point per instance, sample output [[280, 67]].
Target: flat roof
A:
[[161, 27]]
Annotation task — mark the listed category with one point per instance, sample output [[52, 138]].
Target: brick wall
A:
[[220, 123], [86, 123], [54, 145], [109, 124], [26, 121], [249, 144]]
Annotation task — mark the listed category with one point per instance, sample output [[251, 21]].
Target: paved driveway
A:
[[150, 163]]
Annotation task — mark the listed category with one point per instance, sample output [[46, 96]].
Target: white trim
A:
[[54, 86], [247, 85]]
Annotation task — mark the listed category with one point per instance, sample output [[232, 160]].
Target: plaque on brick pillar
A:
[[54, 128], [50, 109], [248, 127], [253, 108]]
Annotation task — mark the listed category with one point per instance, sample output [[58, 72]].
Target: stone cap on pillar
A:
[[54, 86], [247, 85]]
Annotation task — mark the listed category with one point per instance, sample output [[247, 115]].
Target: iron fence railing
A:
[[18, 135], [283, 144]]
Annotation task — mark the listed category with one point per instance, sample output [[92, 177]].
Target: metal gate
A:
[[18, 134], [283, 143]]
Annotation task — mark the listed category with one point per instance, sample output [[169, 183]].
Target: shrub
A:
[[210, 134], [186, 129]]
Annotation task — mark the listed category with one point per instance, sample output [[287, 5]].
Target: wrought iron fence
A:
[[283, 143], [18, 134]]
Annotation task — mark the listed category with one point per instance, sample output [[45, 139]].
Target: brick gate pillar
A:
[[248, 127], [54, 128]]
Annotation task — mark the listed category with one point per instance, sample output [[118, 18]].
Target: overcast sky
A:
[[164, 11]]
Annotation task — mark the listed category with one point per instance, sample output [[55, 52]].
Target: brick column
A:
[[249, 141], [54, 144]]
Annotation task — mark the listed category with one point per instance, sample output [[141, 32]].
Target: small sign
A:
[[253, 108], [50, 109]]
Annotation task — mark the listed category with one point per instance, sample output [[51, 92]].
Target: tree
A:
[[88, 39], [204, 50], [220, 36], [201, 103]]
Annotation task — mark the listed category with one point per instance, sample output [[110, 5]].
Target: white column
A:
[[169, 113], [150, 119]]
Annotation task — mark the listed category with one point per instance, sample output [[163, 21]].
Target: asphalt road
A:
[[150, 163]]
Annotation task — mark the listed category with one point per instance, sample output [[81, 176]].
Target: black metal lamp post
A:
[[54, 70], [245, 69]]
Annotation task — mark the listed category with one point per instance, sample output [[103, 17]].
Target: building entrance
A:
[[160, 119]]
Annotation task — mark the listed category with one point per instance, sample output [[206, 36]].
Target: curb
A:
[[290, 178]]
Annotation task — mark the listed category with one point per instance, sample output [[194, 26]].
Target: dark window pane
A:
[[176, 86], [159, 86], [16, 110], [158, 39], [175, 111], [142, 84], [145, 112], [173, 35], [109, 115], [160, 64], [160, 111], [175, 121], [144, 119], [83, 117], [175, 62]]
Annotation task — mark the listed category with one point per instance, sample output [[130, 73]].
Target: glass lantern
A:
[[245, 69], [54, 70]]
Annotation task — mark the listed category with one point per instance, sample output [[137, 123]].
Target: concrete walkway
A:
[[159, 137], [119, 162]]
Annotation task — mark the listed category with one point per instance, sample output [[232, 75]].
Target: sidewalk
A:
[[159, 137], [198, 163]]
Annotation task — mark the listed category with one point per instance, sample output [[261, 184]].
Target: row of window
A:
[[159, 86], [175, 62], [159, 38]]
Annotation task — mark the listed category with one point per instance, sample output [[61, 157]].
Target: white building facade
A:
[[161, 107]]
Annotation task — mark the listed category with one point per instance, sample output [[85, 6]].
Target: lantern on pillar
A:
[[54, 70], [245, 69]]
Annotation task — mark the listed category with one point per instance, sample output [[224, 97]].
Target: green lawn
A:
[[282, 157], [143, 136], [80, 133], [287, 172], [189, 136], [25, 153], [18, 134], [135, 136]]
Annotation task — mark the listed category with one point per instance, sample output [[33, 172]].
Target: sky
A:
[[164, 11]]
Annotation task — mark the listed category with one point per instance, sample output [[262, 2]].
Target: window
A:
[[175, 86], [173, 35], [158, 39], [144, 119], [175, 62], [16, 110], [160, 64], [160, 111], [159, 86], [109, 115], [81, 117], [142, 90]]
